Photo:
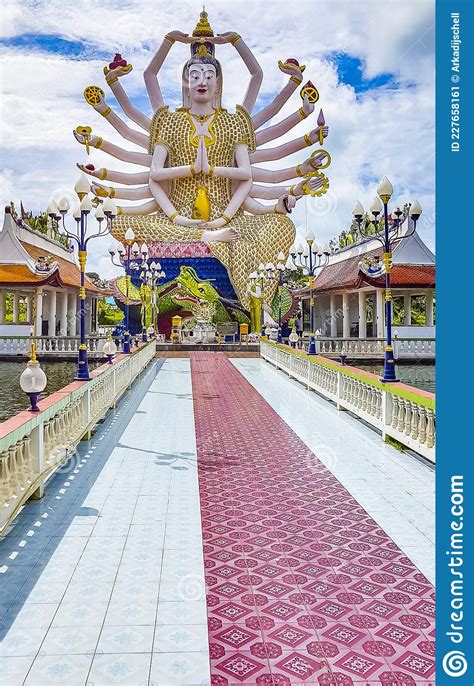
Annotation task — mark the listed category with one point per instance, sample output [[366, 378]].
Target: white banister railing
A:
[[49, 345], [403, 348], [402, 412], [33, 446]]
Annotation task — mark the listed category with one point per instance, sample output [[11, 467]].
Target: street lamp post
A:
[[280, 268], [57, 213], [258, 279], [311, 258], [125, 259], [389, 237], [150, 277]]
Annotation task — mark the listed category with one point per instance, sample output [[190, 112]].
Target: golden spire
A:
[[203, 28]]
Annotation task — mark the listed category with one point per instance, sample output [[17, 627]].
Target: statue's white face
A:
[[202, 82]]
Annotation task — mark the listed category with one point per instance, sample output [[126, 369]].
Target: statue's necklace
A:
[[200, 127]]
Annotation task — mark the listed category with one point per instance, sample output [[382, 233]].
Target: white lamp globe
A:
[[63, 205], [52, 209], [99, 213], [281, 256], [129, 235], [415, 210], [109, 348], [86, 205], [82, 185], [33, 379], [358, 210], [385, 188]]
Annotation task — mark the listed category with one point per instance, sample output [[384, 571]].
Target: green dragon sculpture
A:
[[189, 293]]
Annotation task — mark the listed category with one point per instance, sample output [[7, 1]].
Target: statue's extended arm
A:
[[151, 72], [269, 154], [256, 73], [122, 98], [238, 173], [287, 91], [116, 177], [285, 125], [111, 149], [276, 192], [280, 175], [243, 162], [255, 207], [159, 158], [146, 208], [158, 171], [142, 193], [120, 126]]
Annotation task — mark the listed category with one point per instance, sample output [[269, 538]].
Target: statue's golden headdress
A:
[[203, 30]]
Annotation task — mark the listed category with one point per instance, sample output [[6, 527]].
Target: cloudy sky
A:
[[371, 60]]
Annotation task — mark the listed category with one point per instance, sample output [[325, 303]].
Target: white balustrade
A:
[[402, 412], [49, 345], [33, 446], [404, 348]]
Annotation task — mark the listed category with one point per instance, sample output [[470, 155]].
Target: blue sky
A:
[[375, 79]]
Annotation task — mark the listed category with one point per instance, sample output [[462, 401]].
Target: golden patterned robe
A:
[[260, 238]]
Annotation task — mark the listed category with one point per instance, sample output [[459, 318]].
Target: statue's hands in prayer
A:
[[205, 166], [197, 166], [285, 204], [223, 38]]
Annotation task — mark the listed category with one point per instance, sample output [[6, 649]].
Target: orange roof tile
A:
[[68, 271], [19, 274]]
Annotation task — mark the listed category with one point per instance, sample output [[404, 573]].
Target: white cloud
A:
[[378, 132]]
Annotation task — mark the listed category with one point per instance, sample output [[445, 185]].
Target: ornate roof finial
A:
[[203, 28]]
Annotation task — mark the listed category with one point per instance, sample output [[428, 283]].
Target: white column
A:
[[407, 309], [16, 307], [362, 315], [346, 324], [29, 298], [39, 311], [380, 313], [332, 306], [71, 313], [52, 300], [429, 309], [63, 313], [2, 307]]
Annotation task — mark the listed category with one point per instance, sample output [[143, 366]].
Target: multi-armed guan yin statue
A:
[[202, 183]]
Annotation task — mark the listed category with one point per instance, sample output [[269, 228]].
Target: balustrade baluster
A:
[[401, 414], [430, 428], [422, 424]]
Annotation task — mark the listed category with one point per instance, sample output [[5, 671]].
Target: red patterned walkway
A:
[[303, 586]]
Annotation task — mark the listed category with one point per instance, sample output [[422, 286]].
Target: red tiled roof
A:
[[69, 274], [346, 274]]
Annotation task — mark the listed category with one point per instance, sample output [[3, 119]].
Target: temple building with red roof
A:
[[39, 273], [350, 292]]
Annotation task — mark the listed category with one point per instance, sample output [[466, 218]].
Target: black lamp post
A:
[[310, 259], [389, 237], [57, 213]]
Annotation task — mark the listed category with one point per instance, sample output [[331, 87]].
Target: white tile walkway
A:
[[102, 582], [393, 487]]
